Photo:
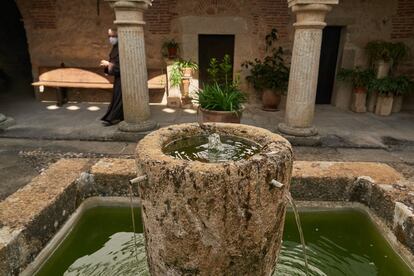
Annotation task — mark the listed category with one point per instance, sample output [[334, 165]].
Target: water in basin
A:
[[212, 148], [340, 242]]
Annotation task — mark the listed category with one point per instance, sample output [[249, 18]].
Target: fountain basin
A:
[[341, 240], [213, 218]]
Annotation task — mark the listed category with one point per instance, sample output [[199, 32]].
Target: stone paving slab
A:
[[378, 172]]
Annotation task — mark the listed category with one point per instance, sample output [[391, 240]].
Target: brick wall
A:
[[43, 14], [159, 16], [403, 21]]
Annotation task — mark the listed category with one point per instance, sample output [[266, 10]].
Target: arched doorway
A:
[[15, 66]]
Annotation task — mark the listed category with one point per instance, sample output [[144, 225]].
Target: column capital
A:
[[306, 2], [310, 14], [129, 12]]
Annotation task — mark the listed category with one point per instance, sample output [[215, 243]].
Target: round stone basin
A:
[[217, 218], [197, 149]]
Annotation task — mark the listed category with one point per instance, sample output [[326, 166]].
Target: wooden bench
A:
[[86, 78]]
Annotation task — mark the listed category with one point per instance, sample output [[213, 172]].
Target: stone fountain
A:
[[213, 218]]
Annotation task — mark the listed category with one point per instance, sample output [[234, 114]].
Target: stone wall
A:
[[74, 32]]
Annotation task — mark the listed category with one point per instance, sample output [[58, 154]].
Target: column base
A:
[[137, 127], [300, 132], [5, 122]]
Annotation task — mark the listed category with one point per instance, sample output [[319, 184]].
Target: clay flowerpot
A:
[[187, 72], [384, 105], [397, 104], [172, 53], [359, 98], [220, 116], [270, 100]]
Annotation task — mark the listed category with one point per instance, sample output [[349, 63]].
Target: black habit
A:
[[115, 111]]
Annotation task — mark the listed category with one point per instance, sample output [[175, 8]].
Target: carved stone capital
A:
[[311, 14], [129, 12]]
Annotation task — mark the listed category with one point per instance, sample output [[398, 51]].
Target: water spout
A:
[[299, 225]]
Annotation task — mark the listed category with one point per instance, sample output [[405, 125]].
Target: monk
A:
[[115, 112]]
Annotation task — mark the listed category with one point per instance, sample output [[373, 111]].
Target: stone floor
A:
[[80, 121], [44, 133]]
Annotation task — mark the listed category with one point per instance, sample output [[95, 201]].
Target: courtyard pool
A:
[[339, 242]]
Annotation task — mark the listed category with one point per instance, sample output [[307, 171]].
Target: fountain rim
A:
[[151, 147]]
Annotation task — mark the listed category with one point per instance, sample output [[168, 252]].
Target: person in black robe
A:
[[115, 112]]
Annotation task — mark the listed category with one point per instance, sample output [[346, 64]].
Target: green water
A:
[[197, 149], [343, 242]]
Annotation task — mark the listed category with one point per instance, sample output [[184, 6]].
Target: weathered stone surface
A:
[[111, 176], [30, 217], [380, 173], [213, 218], [384, 105]]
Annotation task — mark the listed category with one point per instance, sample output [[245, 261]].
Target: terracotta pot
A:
[[187, 72], [360, 90], [384, 105], [397, 104], [172, 53], [270, 100], [220, 116]]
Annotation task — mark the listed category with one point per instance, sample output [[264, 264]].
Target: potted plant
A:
[[360, 79], [170, 49], [269, 76], [187, 67], [398, 51], [385, 88], [221, 99], [379, 53], [402, 86]]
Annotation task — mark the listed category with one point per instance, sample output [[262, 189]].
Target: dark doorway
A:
[[327, 65], [213, 46], [15, 66]]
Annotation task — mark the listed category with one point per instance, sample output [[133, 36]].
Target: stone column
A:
[[134, 79], [5, 122], [300, 106]]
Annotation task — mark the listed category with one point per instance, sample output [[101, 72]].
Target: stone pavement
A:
[[80, 121]]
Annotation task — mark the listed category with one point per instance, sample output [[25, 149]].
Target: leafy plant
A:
[[379, 50], [398, 51], [221, 93], [359, 78], [385, 86], [220, 71], [177, 70], [176, 75], [220, 97], [271, 72], [402, 85], [387, 51], [168, 46], [187, 64]]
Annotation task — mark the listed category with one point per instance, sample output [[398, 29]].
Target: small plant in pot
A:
[[385, 89], [360, 79], [187, 67], [170, 49], [221, 99], [180, 76], [269, 76], [403, 85]]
